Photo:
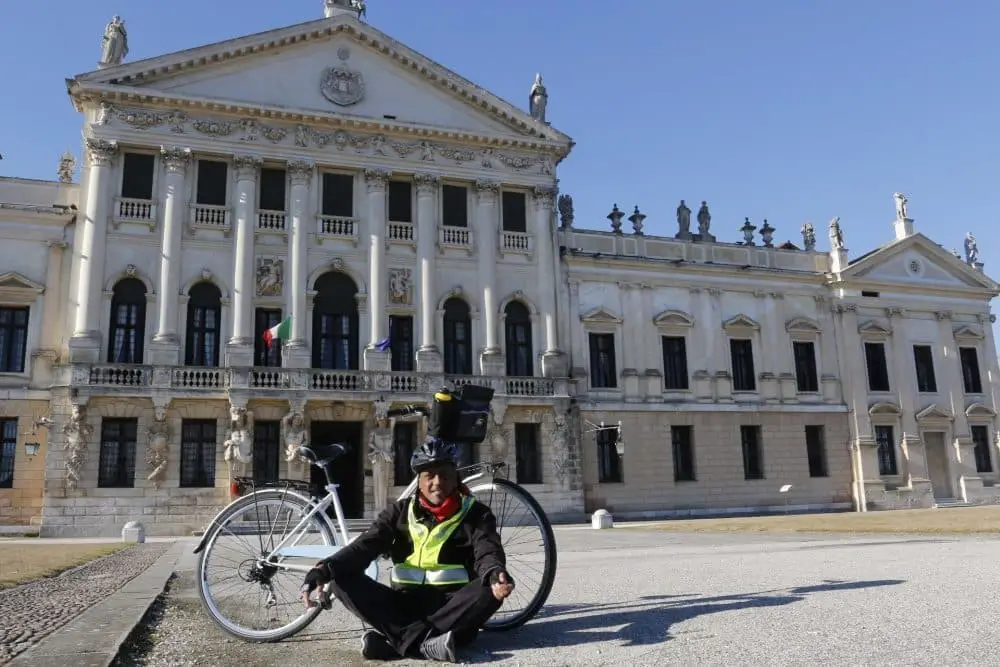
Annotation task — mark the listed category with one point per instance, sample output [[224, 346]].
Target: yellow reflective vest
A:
[[421, 568]]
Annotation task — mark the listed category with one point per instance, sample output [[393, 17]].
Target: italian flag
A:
[[279, 332]]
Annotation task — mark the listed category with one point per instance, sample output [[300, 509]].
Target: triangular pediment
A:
[[741, 321], [673, 318], [285, 69], [884, 408], [600, 315], [803, 325], [979, 410], [919, 262], [968, 333], [934, 412], [873, 328], [13, 280]]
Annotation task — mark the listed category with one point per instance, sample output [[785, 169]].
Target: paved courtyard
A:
[[633, 596]]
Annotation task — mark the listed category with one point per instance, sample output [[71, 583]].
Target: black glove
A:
[[318, 577], [495, 577]]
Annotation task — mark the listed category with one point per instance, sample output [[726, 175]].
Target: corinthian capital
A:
[[426, 183], [545, 196], [300, 172], [377, 179], [100, 151], [487, 188], [246, 166], [175, 160]]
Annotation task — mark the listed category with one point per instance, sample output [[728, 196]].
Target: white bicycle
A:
[[256, 551]]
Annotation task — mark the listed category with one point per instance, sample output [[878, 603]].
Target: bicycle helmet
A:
[[431, 452]]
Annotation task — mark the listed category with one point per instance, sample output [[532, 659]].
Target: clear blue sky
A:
[[789, 110]]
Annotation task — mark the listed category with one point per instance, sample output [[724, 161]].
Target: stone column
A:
[[967, 483], [910, 440], [553, 359], [378, 182], [428, 355], [240, 347], [491, 361], [165, 347], [85, 343], [295, 351]]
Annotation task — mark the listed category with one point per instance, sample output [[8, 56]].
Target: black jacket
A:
[[475, 543]]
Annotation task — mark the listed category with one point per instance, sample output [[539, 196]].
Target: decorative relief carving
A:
[[270, 276], [77, 432], [487, 187], [100, 151], [239, 440], [295, 434], [246, 166], [943, 314], [300, 172], [401, 286], [545, 195], [426, 183], [340, 84], [157, 449], [302, 136], [175, 159], [377, 179], [561, 458]]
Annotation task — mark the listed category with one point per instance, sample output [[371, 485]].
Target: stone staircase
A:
[[950, 502]]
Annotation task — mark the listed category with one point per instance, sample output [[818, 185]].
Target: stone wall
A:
[[649, 488], [22, 503]]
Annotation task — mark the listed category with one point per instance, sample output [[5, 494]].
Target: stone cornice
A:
[[669, 269], [147, 71], [916, 288]]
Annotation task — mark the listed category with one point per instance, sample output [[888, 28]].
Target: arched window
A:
[[335, 322], [204, 325], [517, 340], [127, 329], [457, 337]]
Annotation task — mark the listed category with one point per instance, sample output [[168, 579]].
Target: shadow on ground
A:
[[644, 622]]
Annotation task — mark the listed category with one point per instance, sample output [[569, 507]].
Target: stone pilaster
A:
[[910, 440], [377, 181], [970, 484], [295, 351], [240, 347], [428, 355], [85, 343], [553, 359], [165, 347], [491, 361]]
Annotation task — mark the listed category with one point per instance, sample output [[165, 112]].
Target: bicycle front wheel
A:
[[242, 584], [530, 547]]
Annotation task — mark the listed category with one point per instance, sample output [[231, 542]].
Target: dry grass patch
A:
[[940, 521], [21, 563]]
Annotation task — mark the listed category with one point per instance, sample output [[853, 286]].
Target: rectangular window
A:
[[515, 212], [981, 443], [338, 195], [404, 441], [266, 450], [117, 459], [972, 380], [603, 374], [528, 453], [266, 318], [454, 206], [213, 177], [753, 454], [816, 452], [741, 353], [806, 376], [923, 359], [137, 175], [13, 339], [272, 189], [609, 461], [886, 450], [198, 446], [400, 201], [683, 449], [878, 371], [675, 367], [401, 342], [8, 449]]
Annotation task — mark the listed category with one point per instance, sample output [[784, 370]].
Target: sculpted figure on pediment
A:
[[114, 44], [538, 99]]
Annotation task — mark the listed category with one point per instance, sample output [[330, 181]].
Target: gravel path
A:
[[640, 597], [32, 611]]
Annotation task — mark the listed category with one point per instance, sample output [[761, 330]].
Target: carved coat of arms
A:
[[341, 85]]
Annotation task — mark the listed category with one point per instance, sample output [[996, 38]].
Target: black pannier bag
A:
[[461, 416]]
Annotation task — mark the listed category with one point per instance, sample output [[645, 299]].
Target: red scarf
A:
[[448, 508]]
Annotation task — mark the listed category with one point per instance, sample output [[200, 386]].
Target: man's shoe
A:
[[374, 646], [440, 648]]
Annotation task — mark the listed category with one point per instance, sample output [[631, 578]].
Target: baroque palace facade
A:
[[408, 223]]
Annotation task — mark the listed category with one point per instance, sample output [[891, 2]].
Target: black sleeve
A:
[[488, 553], [368, 546]]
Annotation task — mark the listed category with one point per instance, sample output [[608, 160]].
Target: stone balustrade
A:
[[135, 210], [207, 216]]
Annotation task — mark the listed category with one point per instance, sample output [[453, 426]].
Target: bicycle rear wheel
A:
[[530, 547], [239, 590]]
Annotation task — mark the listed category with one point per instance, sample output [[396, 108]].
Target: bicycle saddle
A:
[[321, 454]]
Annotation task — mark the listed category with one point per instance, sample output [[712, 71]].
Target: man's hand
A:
[[503, 585], [317, 577]]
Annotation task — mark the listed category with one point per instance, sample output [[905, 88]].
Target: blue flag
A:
[[386, 343]]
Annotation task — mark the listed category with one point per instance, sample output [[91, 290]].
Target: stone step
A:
[[950, 502]]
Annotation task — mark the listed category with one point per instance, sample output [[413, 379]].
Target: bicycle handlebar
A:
[[409, 410]]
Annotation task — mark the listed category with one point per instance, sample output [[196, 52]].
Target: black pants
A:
[[409, 617]]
